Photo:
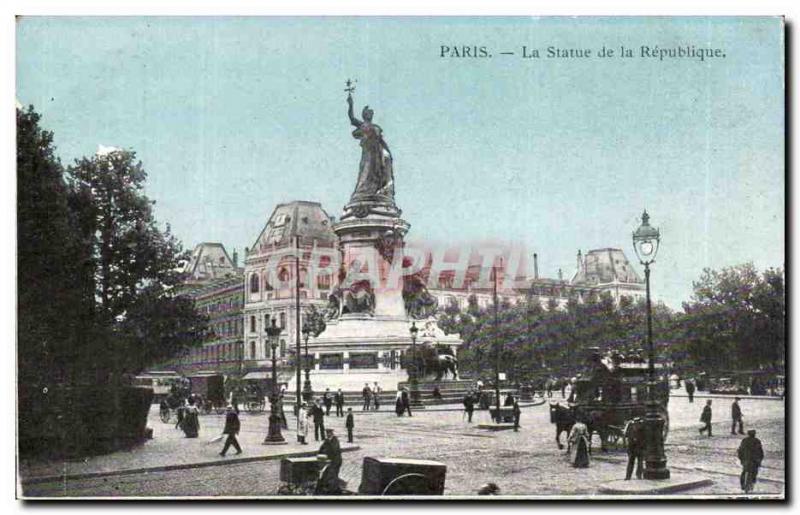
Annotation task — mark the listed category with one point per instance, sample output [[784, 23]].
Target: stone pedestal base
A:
[[682, 483]]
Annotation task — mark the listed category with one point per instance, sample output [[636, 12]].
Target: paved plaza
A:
[[523, 463]]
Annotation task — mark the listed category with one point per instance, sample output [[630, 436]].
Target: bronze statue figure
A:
[[375, 175]]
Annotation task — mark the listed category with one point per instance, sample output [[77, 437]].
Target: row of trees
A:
[[734, 320], [96, 274]]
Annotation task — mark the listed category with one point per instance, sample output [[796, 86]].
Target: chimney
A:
[[560, 275], [535, 266], [235, 259], [580, 260]]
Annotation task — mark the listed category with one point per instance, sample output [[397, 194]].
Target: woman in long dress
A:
[[191, 420], [578, 448], [399, 406]]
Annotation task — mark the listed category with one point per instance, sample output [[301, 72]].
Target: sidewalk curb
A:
[[456, 407], [728, 396], [166, 468]]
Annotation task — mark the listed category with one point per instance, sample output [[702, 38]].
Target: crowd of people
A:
[[750, 451]]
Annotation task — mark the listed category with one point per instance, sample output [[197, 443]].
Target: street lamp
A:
[[274, 435], [646, 241], [308, 392], [416, 401]]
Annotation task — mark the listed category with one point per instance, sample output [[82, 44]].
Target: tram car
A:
[[611, 395]]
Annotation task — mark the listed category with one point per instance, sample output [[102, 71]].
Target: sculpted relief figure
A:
[[375, 175]]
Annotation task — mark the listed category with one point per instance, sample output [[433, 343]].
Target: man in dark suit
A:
[[750, 456], [469, 405], [406, 401], [634, 434], [327, 400], [736, 415], [319, 420], [366, 393], [338, 399], [348, 423], [690, 390], [232, 427], [705, 418], [517, 415]]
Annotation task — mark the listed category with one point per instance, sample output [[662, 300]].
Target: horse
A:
[[446, 363], [564, 419]]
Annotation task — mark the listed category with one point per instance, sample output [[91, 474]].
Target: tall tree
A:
[[53, 308], [132, 266]]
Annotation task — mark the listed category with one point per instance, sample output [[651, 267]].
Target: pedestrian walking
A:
[[284, 422], [634, 434], [318, 416], [509, 400], [327, 400], [750, 455], [517, 415], [736, 416], [338, 399], [563, 388], [690, 389], [191, 421], [348, 423], [705, 418], [578, 445], [231, 429], [366, 393], [376, 396], [399, 408], [302, 424], [406, 401], [469, 406], [549, 387]]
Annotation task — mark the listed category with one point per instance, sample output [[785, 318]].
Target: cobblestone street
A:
[[523, 463]]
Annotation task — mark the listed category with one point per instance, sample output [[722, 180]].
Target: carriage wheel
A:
[[165, 415], [408, 484]]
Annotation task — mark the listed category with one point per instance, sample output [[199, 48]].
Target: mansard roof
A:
[[606, 265], [300, 217], [209, 262]]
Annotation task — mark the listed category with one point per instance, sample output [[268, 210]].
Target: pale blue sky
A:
[[232, 115]]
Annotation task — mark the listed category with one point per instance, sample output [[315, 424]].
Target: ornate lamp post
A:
[[274, 435], [416, 401], [646, 241], [308, 392]]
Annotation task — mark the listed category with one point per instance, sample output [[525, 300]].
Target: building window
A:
[[331, 361], [283, 347], [283, 275], [252, 324], [254, 283], [303, 276], [363, 360], [324, 282], [252, 350], [282, 323]]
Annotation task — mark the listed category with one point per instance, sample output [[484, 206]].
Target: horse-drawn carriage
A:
[[208, 390], [614, 393]]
